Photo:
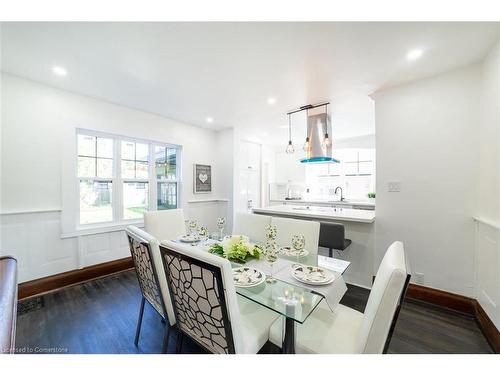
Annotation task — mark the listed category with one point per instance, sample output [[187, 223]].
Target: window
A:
[[355, 174], [166, 174], [95, 172], [135, 176], [119, 178]]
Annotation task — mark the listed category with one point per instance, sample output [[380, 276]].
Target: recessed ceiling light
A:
[[59, 71], [271, 100], [414, 54], [210, 119]]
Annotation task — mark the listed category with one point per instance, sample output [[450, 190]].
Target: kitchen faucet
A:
[[341, 193]]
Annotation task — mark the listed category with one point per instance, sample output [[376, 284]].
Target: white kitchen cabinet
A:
[[249, 155], [248, 195], [366, 155], [289, 168]]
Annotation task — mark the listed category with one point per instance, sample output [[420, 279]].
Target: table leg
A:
[[288, 346]]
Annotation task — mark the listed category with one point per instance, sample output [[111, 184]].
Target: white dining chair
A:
[[165, 224], [251, 225], [286, 228], [145, 252], [346, 330], [206, 305]]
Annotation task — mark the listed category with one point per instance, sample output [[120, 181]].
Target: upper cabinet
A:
[[249, 155], [289, 168]]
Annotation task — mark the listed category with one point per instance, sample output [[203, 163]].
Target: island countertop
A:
[[319, 213]]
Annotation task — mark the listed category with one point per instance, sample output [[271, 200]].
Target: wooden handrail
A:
[[8, 303]]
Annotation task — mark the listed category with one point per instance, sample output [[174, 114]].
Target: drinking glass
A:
[[203, 234], [271, 256], [298, 244], [221, 222], [192, 225]]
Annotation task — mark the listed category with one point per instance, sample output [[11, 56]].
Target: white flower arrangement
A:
[[236, 248]]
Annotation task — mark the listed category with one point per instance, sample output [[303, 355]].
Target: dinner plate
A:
[[290, 252], [246, 277], [188, 239], [311, 275]]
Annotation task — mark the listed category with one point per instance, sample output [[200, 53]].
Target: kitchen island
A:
[[359, 228], [319, 213]]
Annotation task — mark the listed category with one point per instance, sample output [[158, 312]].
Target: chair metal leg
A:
[[139, 322], [166, 336], [180, 339], [330, 252]]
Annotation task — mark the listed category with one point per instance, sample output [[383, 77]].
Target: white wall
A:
[[489, 136], [487, 244], [38, 138], [427, 139]]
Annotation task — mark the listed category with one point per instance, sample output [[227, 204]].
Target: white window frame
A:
[[118, 181]]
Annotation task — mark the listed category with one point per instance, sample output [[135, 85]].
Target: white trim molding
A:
[[217, 200], [25, 212], [486, 221]]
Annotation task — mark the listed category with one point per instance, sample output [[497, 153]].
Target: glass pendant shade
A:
[[289, 148], [327, 141], [307, 145]]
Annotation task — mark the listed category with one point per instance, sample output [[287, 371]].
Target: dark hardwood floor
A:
[[100, 317]]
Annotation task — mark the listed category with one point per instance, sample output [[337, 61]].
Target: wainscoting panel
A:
[[34, 240], [206, 213], [487, 269]]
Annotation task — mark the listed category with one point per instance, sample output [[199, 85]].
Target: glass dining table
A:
[[293, 302]]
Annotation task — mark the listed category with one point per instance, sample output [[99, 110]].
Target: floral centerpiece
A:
[[237, 249]]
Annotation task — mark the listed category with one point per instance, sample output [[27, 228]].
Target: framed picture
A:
[[202, 178]]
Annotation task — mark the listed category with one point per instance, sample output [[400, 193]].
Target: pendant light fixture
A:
[[307, 143], [318, 145], [289, 147], [327, 142]]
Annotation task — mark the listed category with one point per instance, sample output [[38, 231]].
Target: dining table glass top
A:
[[289, 300]]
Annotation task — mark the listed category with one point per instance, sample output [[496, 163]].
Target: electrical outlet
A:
[[394, 186], [419, 278]]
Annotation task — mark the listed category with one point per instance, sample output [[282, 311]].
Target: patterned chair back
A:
[[198, 296], [140, 250]]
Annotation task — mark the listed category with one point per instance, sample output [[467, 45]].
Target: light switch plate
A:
[[394, 186]]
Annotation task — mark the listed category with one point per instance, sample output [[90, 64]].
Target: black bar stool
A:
[[332, 236]]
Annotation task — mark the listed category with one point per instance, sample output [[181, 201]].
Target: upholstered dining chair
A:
[[206, 305], [348, 331], [251, 225], [286, 228], [165, 224], [145, 252]]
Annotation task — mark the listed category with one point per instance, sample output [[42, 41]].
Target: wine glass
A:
[[298, 244], [221, 222], [192, 225], [271, 232], [203, 234], [271, 256]]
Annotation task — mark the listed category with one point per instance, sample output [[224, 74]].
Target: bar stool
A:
[[332, 236]]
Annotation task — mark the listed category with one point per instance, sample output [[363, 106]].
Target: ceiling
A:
[[227, 71]]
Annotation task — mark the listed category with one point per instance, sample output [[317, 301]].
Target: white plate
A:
[[311, 275], [290, 252], [246, 277], [188, 238]]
